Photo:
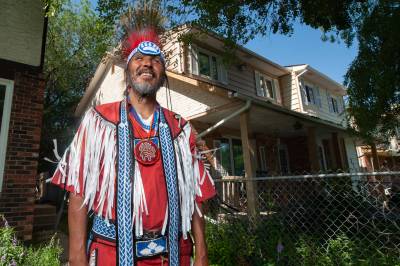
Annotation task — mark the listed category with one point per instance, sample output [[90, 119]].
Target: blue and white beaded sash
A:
[[124, 190], [169, 165]]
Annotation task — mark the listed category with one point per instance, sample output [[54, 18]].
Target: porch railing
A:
[[326, 219]]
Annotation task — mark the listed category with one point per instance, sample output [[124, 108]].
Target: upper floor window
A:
[[335, 104], [265, 86], [206, 64], [310, 95]]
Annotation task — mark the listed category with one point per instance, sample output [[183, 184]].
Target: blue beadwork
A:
[[124, 200], [140, 121], [168, 156], [101, 228]]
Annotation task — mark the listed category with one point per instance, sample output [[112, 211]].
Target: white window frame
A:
[[194, 67], [310, 94], [262, 92], [5, 123]]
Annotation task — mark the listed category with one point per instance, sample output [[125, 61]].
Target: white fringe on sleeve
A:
[[188, 178], [99, 153]]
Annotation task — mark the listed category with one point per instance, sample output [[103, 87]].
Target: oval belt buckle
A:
[[146, 152]]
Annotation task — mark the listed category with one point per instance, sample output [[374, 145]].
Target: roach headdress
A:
[[145, 41]]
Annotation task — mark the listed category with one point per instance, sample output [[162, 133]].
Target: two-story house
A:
[[263, 118], [22, 34]]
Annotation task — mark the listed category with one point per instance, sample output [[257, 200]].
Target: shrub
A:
[[13, 253]]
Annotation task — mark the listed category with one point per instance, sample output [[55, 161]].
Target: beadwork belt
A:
[[148, 245]]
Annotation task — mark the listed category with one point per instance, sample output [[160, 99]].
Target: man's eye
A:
[[157, 60], [138, 57]]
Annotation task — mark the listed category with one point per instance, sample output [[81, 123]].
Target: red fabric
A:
[[153, 182], [106, 254], [135, 38]]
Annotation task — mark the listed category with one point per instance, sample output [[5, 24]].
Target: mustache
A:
[[144, 70]]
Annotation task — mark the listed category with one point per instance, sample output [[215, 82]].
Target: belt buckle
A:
[[151, 247]]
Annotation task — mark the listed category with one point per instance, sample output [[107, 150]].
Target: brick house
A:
[[23, 35]]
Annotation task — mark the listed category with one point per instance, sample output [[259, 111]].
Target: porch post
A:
[[248, 154], [312, 149]]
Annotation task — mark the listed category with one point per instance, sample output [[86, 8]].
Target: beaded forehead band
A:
[[146, 48], [145, 41]]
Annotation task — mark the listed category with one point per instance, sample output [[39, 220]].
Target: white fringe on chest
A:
[[100, 156]]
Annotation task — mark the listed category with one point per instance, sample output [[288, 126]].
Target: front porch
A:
[[263, 142]]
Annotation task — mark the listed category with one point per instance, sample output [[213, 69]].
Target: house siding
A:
[[173, 50], [18, 192], [242, 81], [323, 111], [21, 31], [290, 92]]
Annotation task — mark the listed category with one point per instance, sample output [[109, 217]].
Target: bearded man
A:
[[135, 166]]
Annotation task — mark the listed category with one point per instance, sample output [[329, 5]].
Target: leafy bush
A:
[[237, 242], [13, 253]]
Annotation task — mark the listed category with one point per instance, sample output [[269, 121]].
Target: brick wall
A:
[[17, 196]]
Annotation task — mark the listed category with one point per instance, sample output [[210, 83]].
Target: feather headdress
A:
[[142, 26]]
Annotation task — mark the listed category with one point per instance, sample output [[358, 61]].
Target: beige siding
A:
[[187, 97], [173, 54], [242, 80], [173, 51], [112, 87], [21, 31], [290, 92], [323, 112]]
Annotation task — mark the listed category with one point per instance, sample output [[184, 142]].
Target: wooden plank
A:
[[248, 155]]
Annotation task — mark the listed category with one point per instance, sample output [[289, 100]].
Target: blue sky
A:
[[305, 46]]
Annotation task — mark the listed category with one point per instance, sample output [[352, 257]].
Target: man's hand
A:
[[77, 224], [200, 255]]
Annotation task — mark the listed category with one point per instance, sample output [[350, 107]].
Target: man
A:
[[134, 164]]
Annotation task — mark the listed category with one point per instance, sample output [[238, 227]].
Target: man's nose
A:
[[147, 61]]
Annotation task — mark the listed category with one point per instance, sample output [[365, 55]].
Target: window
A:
[[6, 93], [310, 95], [283, 159], [263, 159], [265, 86], [229, 157], [223, 157], [335, 104], [206, 64], [321, 158]]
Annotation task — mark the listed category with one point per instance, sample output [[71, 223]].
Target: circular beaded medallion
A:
[[146, 152]]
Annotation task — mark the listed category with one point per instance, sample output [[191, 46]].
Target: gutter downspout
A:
[[222, 121]]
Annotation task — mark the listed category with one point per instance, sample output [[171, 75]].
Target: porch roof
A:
[[268, 118]]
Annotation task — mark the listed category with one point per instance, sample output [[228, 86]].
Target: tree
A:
[[241, 21], [77, 39], [373, 78]]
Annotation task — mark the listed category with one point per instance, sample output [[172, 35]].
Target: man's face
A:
[[146, 73]]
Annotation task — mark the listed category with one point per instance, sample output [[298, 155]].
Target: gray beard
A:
[[145, 89]]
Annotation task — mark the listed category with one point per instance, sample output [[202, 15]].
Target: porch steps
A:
[[44, 219]]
